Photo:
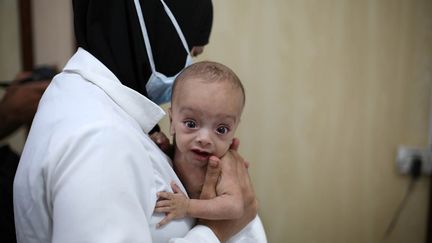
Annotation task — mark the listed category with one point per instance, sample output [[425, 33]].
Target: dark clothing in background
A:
[[8, 166], [121, 46]]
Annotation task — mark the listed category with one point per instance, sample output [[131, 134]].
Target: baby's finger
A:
[[163, 203], [166, 195], [165, 220], [163, 210], [175, 188]]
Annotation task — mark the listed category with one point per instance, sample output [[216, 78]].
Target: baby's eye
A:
[[222, 130], [190, 124]]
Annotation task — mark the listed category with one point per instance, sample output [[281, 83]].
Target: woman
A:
[[89, 171]]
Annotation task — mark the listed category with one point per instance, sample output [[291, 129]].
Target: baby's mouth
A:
[[201, 155]]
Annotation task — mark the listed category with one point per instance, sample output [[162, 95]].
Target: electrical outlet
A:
[[405, 156]]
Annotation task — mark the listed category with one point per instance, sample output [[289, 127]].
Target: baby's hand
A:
[[161, 141], [174, 205]]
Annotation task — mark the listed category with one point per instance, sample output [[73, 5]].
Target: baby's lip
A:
[[201, 154]]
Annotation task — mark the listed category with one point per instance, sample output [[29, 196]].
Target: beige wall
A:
[[54, 41], [333, 87], [10, 56], [10, 59]]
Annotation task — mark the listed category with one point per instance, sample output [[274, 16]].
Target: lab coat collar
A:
[[143, 110]]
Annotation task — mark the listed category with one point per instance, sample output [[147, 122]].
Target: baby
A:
[[206, 105]]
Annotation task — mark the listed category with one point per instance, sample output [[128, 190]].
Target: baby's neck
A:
[[191, 176]]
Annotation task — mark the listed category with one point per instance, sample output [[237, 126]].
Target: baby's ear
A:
[[172, 130]]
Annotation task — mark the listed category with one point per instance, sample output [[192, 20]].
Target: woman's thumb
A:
[[211, 178]]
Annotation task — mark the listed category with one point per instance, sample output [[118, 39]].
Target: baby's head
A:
[[206, 105]]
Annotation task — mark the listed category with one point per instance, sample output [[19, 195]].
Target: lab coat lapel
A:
[[139, 107]]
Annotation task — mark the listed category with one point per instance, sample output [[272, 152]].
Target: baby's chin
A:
[[199, 163]]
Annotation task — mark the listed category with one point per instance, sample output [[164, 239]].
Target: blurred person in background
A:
[[17, 109]]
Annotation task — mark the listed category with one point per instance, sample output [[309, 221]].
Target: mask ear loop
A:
[[176, 26], [145, 35]]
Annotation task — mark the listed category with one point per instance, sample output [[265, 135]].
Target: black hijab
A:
[[110, 31]]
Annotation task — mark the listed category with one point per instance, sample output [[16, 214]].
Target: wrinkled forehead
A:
[[209, 100], [193, 85], [230, 115]]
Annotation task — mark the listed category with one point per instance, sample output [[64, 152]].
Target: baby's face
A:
[[204, 118]]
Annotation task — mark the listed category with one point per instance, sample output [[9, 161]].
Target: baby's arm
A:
[[218, 208], [177, 205], [227, 205]]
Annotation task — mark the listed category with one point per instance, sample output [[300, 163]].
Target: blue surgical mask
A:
[[159, 86]]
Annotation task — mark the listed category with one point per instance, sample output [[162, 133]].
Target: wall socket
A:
[[405, 157]]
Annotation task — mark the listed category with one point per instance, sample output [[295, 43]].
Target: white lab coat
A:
[[89, 172]]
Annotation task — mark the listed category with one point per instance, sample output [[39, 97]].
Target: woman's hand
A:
[[237, 166]]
